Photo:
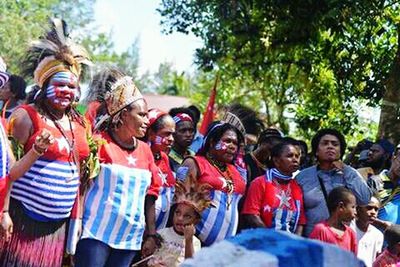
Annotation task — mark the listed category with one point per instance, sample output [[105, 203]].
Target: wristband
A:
[[36, 151]]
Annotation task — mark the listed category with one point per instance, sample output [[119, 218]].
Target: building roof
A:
[[165, 102]]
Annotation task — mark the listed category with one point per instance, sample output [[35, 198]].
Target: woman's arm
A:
[[358, 186], [188, 170], [150, 244], [42, 142], [6, 222], [253, 203]]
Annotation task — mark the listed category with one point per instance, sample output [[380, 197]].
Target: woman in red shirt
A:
[[275, 200], [213, 165], [160, 137]]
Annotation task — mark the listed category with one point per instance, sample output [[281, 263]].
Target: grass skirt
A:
[[33, 243]]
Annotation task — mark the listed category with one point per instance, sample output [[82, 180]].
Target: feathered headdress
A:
[[117, 91], [193, 194], [244, 119], [54, 53]]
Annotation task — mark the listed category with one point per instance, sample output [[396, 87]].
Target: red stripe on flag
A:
[[208, 115]]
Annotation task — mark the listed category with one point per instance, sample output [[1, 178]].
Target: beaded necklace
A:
[[223, 169], [71, 143]]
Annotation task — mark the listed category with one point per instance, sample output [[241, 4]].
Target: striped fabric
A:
[[270, 248], [4, 161], [48, 190], [114, 206], [271, 173], [219, 222], [285, 219], [163, 206], [4, 77]]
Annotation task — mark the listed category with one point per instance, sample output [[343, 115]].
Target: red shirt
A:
[[167, 177], [280, 205], [348, 241], [210, 175], [387, 259], [139, 158], [91, 112]]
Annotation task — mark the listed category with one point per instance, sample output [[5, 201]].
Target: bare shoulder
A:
[[20, 125]]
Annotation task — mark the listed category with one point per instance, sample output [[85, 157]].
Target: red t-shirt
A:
[[348, 241], [167, 177], [141, 159], [280, 205]]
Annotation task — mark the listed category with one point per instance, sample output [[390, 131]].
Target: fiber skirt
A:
[[33, 243]]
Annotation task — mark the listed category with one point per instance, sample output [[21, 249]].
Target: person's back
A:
[[341, 205]]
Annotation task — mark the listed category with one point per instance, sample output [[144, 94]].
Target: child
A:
[[178, 242], [391, 255], [370, 239], [342, 210]]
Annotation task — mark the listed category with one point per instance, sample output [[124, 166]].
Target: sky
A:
[[131, 19]]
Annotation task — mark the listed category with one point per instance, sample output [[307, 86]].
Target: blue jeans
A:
[[94, 253]]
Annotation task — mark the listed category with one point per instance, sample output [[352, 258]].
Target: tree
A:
[[27, 20], [314, 58]]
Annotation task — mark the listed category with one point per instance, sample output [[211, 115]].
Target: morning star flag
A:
[[209, 115], [269, 248]]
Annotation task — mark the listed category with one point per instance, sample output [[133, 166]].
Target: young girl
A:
[[178, 242], [342, 209]]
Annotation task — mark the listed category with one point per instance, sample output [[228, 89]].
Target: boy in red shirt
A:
[[390, 257], [342, 209]]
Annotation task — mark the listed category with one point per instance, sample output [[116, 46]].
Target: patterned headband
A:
[[154, 114], [182, 117]]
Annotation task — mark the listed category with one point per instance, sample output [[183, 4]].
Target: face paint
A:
[[159, 140], [220, 146], [62, 89]]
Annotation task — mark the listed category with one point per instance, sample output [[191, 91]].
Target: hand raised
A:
[[43, 141]]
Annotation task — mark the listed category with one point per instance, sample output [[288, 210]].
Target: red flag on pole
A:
[[208, 115]]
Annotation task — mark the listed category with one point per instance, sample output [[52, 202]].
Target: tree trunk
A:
[[389, 122]]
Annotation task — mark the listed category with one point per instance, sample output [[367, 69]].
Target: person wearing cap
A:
[[159, 136], [214, 165], [40, 202], [183, 136], [388, 191], [378, 158], [328, 146], [258, 161], [119, 204]]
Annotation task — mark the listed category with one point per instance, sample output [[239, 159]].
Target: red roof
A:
[[165, 102]]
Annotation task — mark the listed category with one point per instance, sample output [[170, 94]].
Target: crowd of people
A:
[[123, 184]]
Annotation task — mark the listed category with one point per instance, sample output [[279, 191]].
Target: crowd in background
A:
[[124, 184]]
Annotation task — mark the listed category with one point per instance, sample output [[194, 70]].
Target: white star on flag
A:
[[163, 176], [224, 184], [62, 143], [284, 199], [131, 160], [267, 208], [153, 114]]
